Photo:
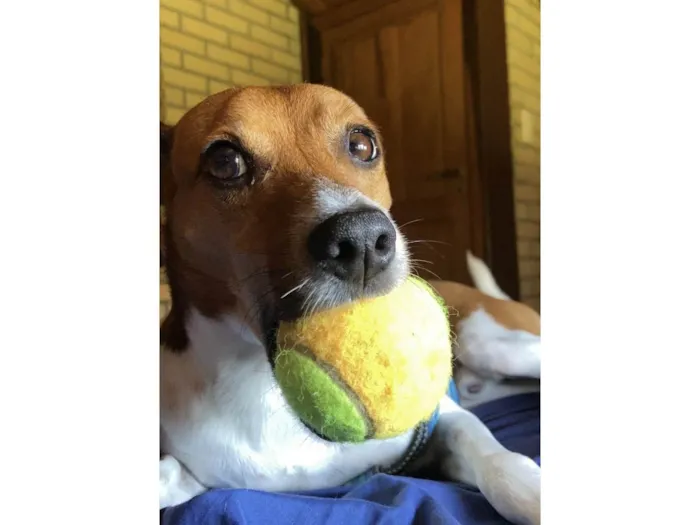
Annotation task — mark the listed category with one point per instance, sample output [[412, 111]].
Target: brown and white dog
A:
[[497, 340], [277, 204]]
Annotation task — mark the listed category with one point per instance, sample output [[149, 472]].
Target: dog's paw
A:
[[177, 485], [512, 483]]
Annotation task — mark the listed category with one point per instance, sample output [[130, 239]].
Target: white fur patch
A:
[[493, 351], [224, 418]]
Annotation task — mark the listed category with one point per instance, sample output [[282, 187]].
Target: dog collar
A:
[[419, 443]]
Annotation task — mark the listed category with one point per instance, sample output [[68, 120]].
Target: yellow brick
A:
[[531, 13], [247, 11], [530, 287], [192, 99], [226, 56], [217, 87], [512, 15], [189, 7], [525, 99], [172, 115], [169, 18], [527, 156], [176, 77], [518, 4], [293, 14], [222, 19], [241, 78], [286, 60], [529, 268], [528, 174], [514, 115], [526, 193], [202, 30], [295, 77], [523, 249], [528, 230], [268, 37], [516, 39], [295, 47], [273, 6], [171, 56], [178, 40], [205, 67], [521, 212], [174, 97], [526, 79], [249, 47], [218, 3], [523, 59], [284, 27], [270, 71], [529, 28]]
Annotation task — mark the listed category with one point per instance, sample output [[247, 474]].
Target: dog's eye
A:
[[225, 162], [362, 145]]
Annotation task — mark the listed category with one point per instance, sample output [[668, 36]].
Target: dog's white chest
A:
[[224, 418]]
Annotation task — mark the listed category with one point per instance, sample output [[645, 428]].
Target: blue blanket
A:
[[386, 500]]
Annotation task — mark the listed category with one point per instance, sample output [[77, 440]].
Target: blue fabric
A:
[[383, 499]]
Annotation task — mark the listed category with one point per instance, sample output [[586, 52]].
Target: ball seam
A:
[[335, 376]]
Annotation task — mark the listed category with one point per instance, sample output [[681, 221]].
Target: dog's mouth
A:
[[272, 318], [287, 309], [300, 303]]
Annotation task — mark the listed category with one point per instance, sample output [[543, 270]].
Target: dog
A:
[[276, 206], [496, 342]]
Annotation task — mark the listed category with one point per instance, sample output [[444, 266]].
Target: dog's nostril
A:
[[344, 251], [382, 244]]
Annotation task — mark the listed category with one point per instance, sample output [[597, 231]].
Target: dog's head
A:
[[276, 205]]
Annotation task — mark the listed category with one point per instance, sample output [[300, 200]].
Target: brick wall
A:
[[207, 46], [523, 50]]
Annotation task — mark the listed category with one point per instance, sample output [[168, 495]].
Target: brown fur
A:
[[295, 135], [463, 300]]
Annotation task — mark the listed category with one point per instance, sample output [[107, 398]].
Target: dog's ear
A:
[[166, 140], [166, 137]]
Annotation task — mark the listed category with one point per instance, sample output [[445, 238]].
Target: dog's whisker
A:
[[410, 222], [421, 268], [296, 288], [427, 241], [423, 261]]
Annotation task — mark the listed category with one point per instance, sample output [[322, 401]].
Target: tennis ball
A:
[[372, 369]]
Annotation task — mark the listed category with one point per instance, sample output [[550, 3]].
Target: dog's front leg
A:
[[469, 453], [177, 485]]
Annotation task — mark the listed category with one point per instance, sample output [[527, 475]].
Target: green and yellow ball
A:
[[373, 369]]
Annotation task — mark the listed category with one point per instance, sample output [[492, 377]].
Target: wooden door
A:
[[403, 62]]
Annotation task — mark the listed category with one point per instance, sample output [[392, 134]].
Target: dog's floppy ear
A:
[[166, 139]]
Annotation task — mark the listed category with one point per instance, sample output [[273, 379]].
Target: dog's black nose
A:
[[354, 246]]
